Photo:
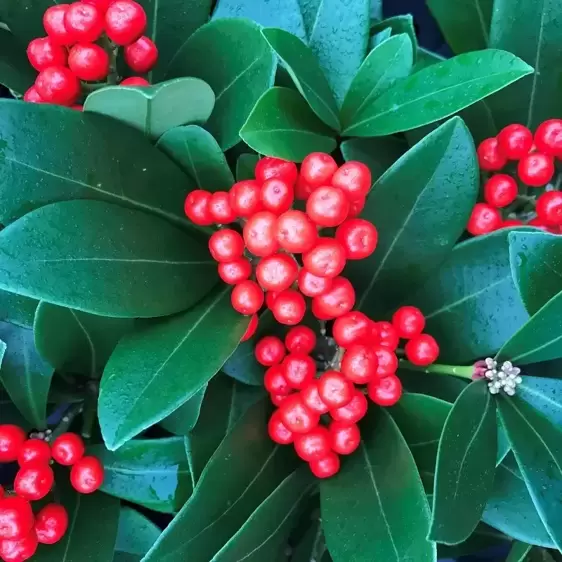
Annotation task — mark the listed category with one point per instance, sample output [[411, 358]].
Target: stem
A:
[[450, 370], [90, 409], [73, 412]]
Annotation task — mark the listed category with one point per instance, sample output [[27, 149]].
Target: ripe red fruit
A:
[[236, 271], [352, 327], [34, 481], [125, 21], [87, 475], [515, 141], [511, 222], [268, 168], [334, 389], [289, 307], [2, 491], [245, 198], [500, 190], [58, 85], [88, 61], [354, 179], [32, 96], [220, 208], [359, 238], [251, 329], [34, 450], [302, 189], [387, 335], [270, 297], [312, 400], [277, 399], [359, 364], [335, 302], [277, 272], [44, 52], [311, 285], [18, 550], [344, 437], [84, 22], [16, 518], [409, 321], [548, 137], [535, 169], [51, 523], [275, 382], [483, 219], [295, 232], [325, 467], [296, 416], [490, 157], [327, 206], [12, 439], [53, 22], [386, 391], [549, 208], [317, 169], [142, 55], [135, 81], [313, 445], [269, 351], [277, 430], [352, 412], [101, 5], [226, 245], [259, 234], [356, 207], [388, 362], [326, 259], [299, 370], [277, 196], [247, 297], [197, 207], [300, 339], [422, 350]]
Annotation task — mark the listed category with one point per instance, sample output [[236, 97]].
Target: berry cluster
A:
[[535, 157], [71, 51], [20, 529]]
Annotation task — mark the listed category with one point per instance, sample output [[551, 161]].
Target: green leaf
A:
[[466, 462], [219, 506], [437, 92], [544, 395], [407, 204], [125, 263], [365, 514], [312, 546], [306, 73], [518, 552], [25, 18], [465, 25], [153, 473], [268, 528], [536, 443], [197, 153], [484, 538], [431, 384], [233, 57], [49, 154], [77, 342], [183, 420], [387, 62], [136, 533], [15, 71], [473, 291], [145, 379], [16, 309], [156, 109], [396, 25], [281, 124], [245, 166]]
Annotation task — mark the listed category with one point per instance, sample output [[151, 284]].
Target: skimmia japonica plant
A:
[[277, 283]]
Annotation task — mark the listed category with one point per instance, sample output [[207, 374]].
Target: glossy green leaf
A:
[[156, 369], [387, 62], [220, 505], [9, 412], [312, 546], [77, 342], [431, 384], [125, 263], [403, 23], [437, 92], [136, 533], [183, 420], [197, 153], [407, 204], [466, 462], [16, 309], [233, 57], [281, 124], [245, 166], [379, 37], [544, 395], [156, 109], [365, 513], [518, 552], [15, 71], [473, 291], [484, 538], [153, 473], [25, 18], [304, 69]]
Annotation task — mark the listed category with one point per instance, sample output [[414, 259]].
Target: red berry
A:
[[515, 141], [296, 416], [354, 179], [386, 391], [312, 400], [345, 437], [34, 450], [32, 96], [289, 307], [422, 350], [226, 245], [387, 361], [277, 196], [142, 55], [311, 285], [299, 370], [84, 22], [18, 550], [325, 467], [277, 430], [500, 190], [490, 157], [269, 351], [58, 85], [53, 22], [51, 524], [483, 219], [278, 399], [245, 198], [2, 491], [387, 335], [125, 21], [300, 339], [101, 5], [327, 206], [334, 389], [251, 329], [313, 445], [12, 439], [270, 297], [34, 481], [352, 412], [236, 271], [275, 382], [511, 222], [317, 169], [87, 475], [16, 518], [356, 207], [352, 327], [88, 61], [135, 81], [549, 209], [359, 238], [268, 168], [277, 272], [548, 137], [326, 259], [335, 302], [359, 364], [409, 321], [259, 234], [197, 207], [535, 169], [44, 52], [302, 189], [220, 208], [247, 297], [295, 232]]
